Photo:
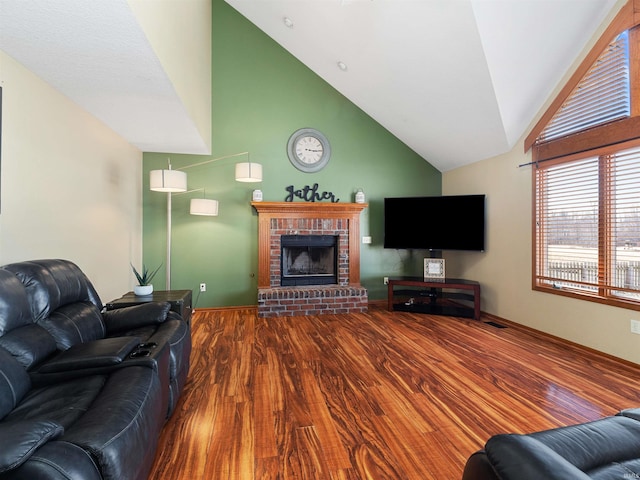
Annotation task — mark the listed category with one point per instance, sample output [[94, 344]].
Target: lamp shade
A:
[[248, 172], [203, 206], [168, 181]]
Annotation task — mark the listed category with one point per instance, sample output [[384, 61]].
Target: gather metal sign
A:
[[309, 194]]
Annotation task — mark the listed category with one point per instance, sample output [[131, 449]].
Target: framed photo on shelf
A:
[[434, 268]]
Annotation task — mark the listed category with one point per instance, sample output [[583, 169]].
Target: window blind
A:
[[567, 225], [587, 225], [602, 96], [623, 192]]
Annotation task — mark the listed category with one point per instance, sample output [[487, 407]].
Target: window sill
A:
[[614, 302]]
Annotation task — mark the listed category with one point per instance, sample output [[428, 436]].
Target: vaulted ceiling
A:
[[458, 81]]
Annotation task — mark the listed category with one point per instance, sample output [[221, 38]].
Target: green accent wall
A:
[[261, 95]]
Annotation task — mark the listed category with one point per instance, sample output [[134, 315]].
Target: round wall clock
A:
[[308, 150]]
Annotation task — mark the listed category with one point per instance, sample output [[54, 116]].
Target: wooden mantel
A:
[[270, 210]]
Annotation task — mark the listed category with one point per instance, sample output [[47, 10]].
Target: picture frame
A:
[[434, 268]]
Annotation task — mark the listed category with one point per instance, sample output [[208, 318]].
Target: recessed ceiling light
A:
[[342, 66], [288, 22]]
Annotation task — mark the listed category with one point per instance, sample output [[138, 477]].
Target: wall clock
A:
[[308, 150]]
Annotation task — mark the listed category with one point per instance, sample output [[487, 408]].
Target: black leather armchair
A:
[[604, 449]]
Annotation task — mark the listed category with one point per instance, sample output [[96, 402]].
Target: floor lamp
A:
[[175, 181], [169, 181]]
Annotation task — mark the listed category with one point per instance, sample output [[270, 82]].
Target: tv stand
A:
[[455, 297]]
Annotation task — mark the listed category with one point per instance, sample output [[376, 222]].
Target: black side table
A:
[[180, 301]]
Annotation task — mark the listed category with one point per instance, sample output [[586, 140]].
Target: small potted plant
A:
[[144, 286]]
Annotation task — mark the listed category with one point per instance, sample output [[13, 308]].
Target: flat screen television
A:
[[450, 222]]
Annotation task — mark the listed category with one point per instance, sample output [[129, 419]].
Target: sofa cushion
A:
[[20, 439], [51, 284], [74, 323], [591, 445], [57, 459], [123, 319], [631, 413], [522, 457], [604, 449], [122, 426], [29, 345], [14, 382], [26, 341], [15, 311], [63, 402], [40, 287]]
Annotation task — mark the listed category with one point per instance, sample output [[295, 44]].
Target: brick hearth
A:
[[286, 218]]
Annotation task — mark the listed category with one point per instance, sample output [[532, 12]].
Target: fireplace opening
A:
[[309, 260]]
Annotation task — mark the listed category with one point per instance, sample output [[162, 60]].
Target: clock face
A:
[[308, 150]]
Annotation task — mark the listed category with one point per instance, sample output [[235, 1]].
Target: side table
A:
[[180, 301]]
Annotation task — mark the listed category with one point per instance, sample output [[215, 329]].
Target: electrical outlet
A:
[[635, 326], [203, 287], [385, 280]]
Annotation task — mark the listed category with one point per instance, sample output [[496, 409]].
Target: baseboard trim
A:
[[549, 336], [250, 308]]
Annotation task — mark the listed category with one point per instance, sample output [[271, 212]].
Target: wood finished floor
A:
[[372, 396]]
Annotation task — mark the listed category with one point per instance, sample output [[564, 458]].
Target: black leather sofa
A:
[[84, 392], [604, 449]]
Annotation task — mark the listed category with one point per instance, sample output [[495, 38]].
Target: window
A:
[[601, 96], [587, 226], [586, 174]]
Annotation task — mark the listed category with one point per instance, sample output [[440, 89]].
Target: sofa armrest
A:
[[135, 316], [478, 467], [99, 353], [633, 413], [20, 439], [521, 457]]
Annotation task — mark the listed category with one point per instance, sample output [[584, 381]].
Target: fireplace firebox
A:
[[309, 260]]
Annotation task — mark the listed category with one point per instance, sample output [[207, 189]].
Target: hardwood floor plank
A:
[[377, 395], [265, 434], [333, 449]]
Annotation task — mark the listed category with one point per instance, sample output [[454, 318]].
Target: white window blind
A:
[[588, 225], [602, 96], [567, 224], [623, 192]]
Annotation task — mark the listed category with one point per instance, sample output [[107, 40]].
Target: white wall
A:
[[180, 34], [70, 187], [505, 268]]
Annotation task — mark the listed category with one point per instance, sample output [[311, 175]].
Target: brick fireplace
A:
[[340, 220]]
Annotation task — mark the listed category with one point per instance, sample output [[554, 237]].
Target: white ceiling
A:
[[96, 53], [458, 81]]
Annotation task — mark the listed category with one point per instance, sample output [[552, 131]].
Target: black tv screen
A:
[[453, 222]]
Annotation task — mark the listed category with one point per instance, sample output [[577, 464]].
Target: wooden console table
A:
[[448, 296]]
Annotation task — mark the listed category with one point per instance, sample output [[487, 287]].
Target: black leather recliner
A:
[[604, 449], [81, 397], [64, 302]]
